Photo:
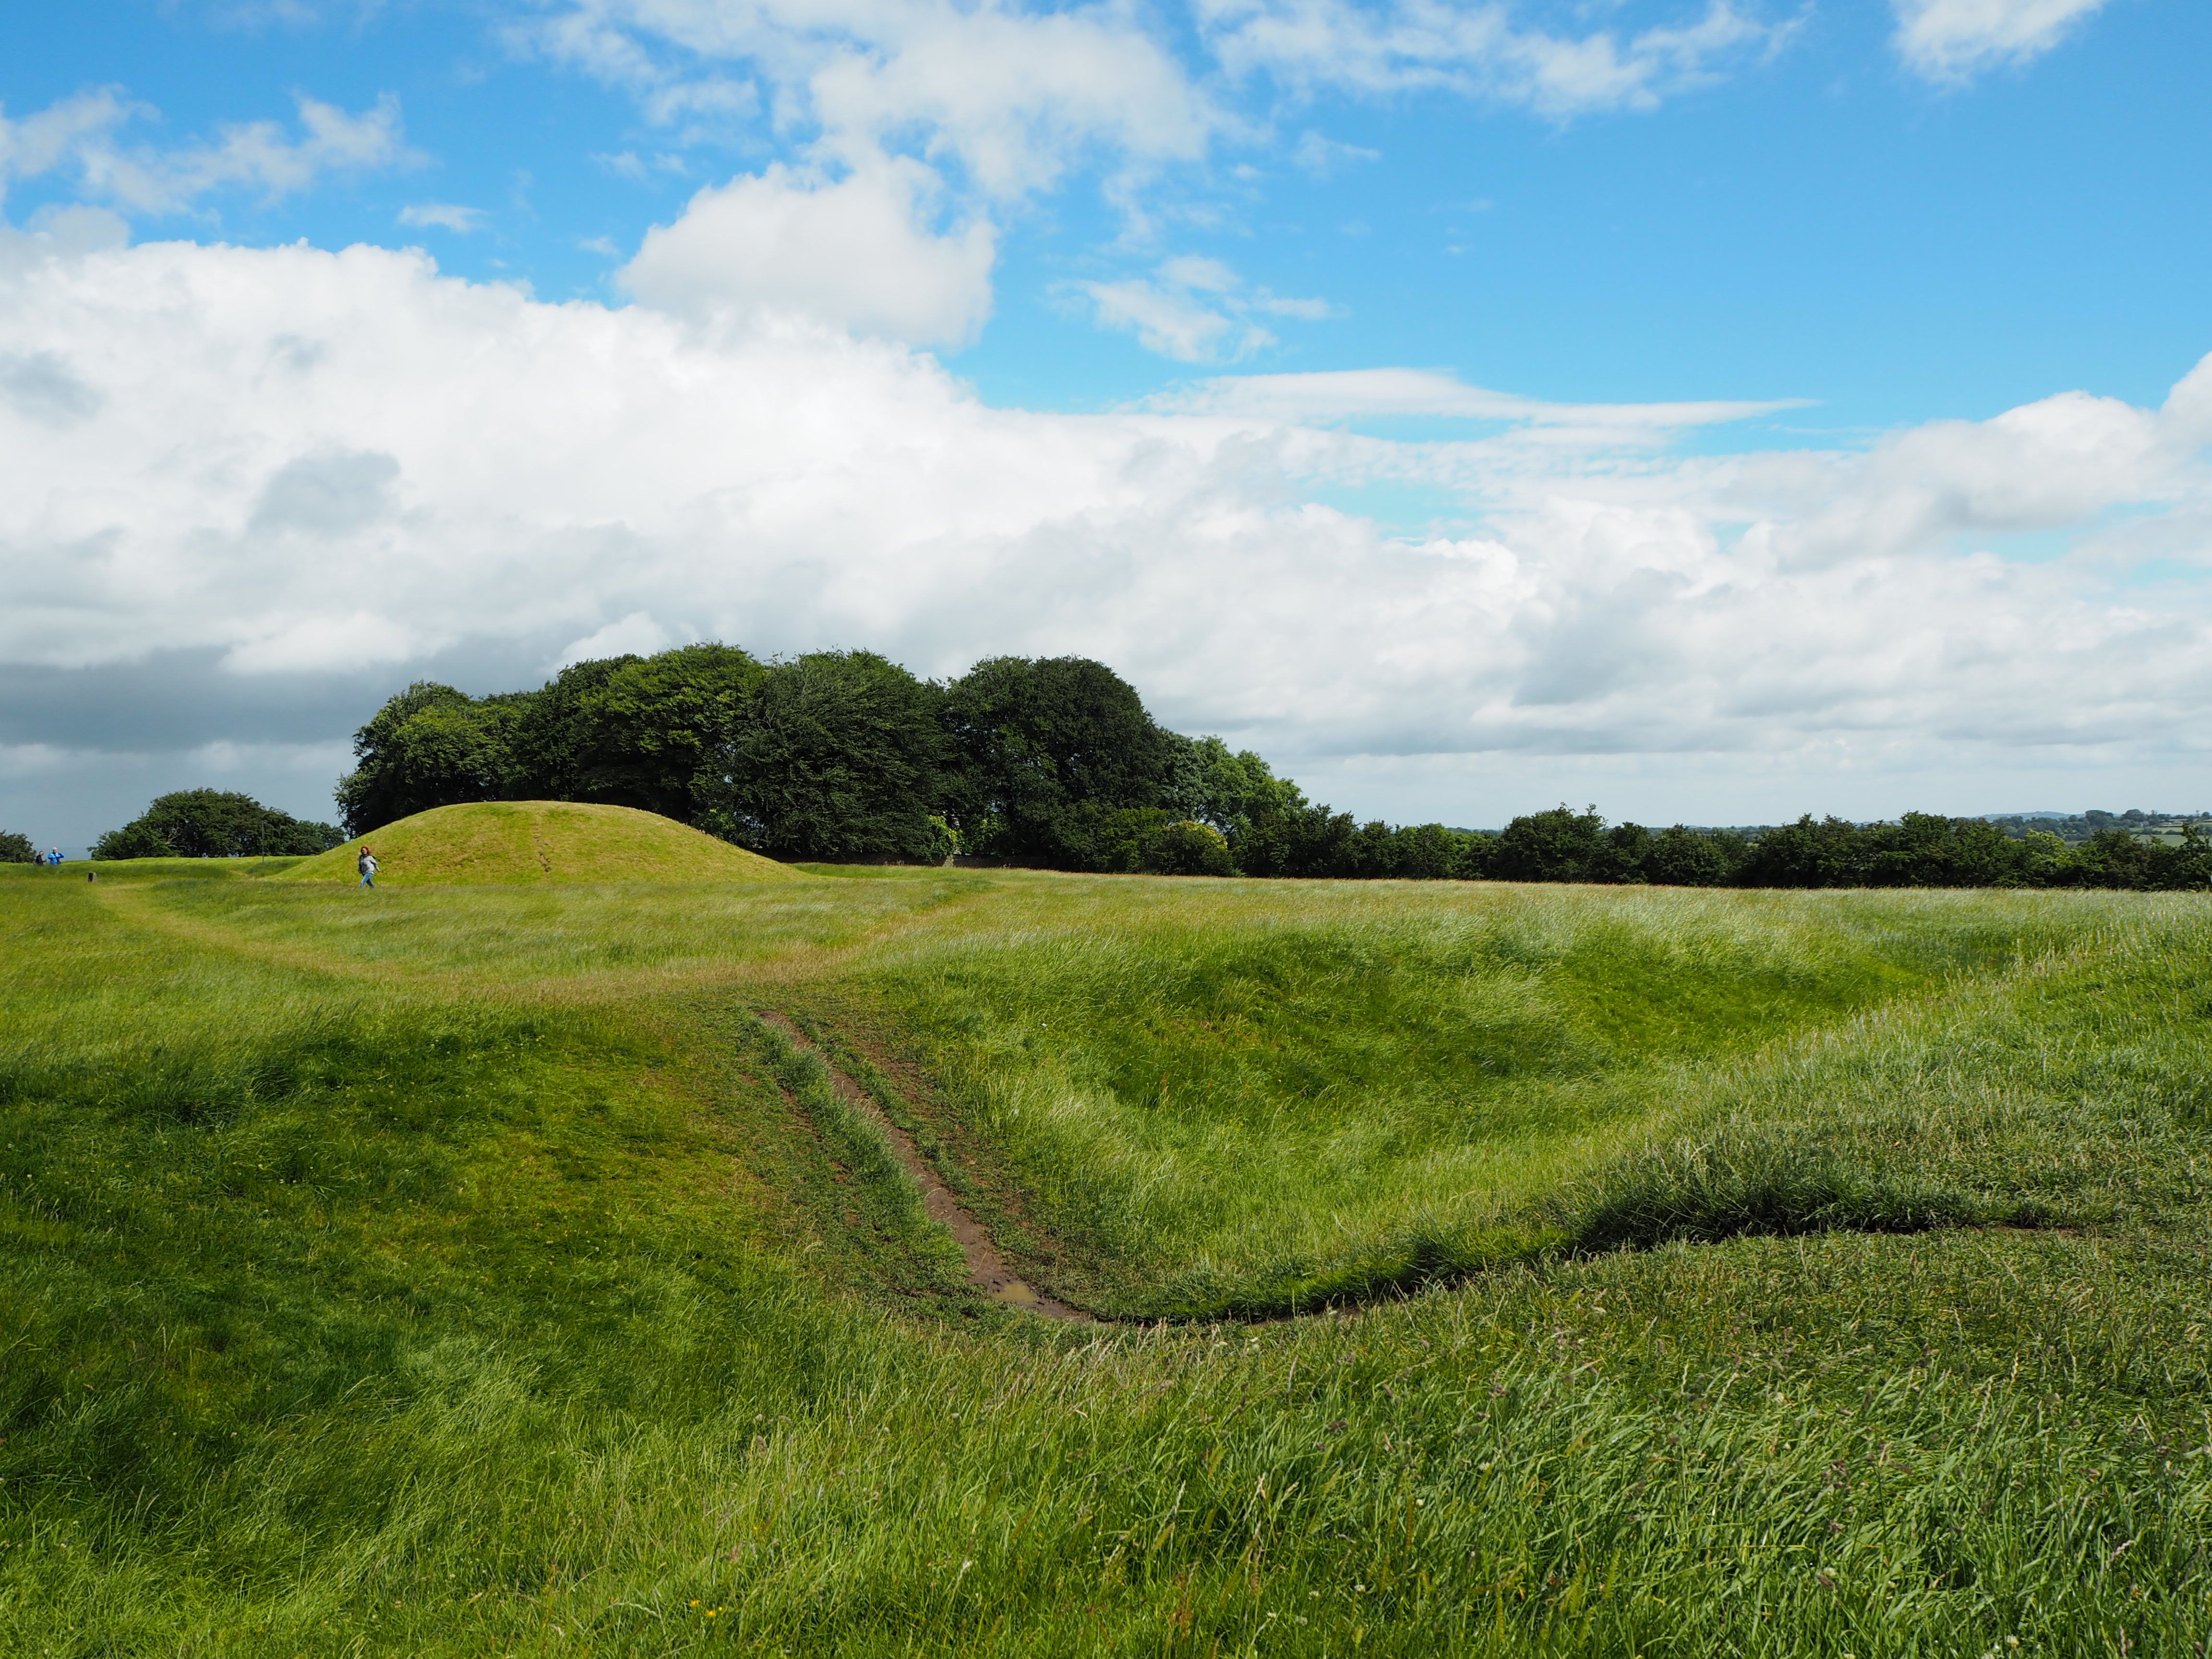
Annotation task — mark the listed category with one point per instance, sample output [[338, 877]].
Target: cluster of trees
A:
[[845, 755], [213, 823], [1054, 763], [17, 849]]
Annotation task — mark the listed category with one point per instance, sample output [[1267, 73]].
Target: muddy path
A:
[[988, 1271]]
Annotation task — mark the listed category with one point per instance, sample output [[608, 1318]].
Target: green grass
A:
[[467, 1271], [1243, 1100], [143, 870]]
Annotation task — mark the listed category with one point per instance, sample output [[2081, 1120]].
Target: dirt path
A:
[[988, 1270]]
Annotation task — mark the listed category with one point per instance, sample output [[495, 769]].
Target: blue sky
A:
[[1853, 234], [1819, 222]]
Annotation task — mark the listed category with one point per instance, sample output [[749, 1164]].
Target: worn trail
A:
[[988, 1270]]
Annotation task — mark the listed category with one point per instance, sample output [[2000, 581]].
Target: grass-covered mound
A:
[[511, 842], [476, 1274]]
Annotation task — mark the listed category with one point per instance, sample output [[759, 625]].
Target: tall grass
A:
[[1299, 1095], [435, 1280]]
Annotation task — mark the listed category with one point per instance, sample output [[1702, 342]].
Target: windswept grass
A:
[[470, 1272], [1273, 1098]]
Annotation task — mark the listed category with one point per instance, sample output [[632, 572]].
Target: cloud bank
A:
[[290, 468]]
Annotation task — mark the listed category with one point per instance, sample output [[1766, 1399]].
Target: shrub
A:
[[1188, 848]]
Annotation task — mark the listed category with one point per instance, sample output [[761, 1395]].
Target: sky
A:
[[1711, 410]]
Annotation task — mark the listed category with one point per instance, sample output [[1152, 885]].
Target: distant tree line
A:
[[213, 823], [1055, 763], [1920, 849], [2082, 826], [17, 849]]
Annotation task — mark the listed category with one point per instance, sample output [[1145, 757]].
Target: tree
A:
[[1831, 853], [1053, 748], [431, 745], [17, 849], [1428, 852], [1558, 845], [1188, 848], [213, 823], [622, 731], [635, 731], [1683, 857], [835, 755]]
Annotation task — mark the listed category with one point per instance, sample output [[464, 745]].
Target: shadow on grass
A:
[[1749, 1182]]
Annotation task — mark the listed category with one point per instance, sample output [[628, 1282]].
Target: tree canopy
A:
[[835, 755], [1055, 748]]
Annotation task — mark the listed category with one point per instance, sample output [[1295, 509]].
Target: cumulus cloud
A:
[[859, 252], [81, 135], [1954, 40], [292, 467], [995, 104]]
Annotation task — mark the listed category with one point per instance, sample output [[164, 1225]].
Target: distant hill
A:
[[512, 842]]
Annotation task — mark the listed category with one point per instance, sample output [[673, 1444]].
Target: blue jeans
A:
[[369, 878]]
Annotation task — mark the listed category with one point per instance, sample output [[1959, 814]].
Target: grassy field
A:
[[468, 1270]]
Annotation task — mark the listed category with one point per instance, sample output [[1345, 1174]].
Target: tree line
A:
[[1054, 763]]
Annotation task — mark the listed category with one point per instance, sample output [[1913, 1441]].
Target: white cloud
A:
[[637, 633], [1323, 156], [78, 135], [1954, 40], [445, 215], [898, 118], [1345, 394], [1009, 98], [1172, 322], [295, 461], [1480, 51], [859, 252], [1196, 310]]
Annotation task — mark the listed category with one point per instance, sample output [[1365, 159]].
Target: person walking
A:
[[366, 864]]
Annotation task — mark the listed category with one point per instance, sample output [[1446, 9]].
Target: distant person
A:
[[366, 864], [53, 855]]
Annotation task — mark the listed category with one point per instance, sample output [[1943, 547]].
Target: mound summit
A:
[[515, 841]]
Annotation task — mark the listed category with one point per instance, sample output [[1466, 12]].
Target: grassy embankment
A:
[[465, 1270]]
